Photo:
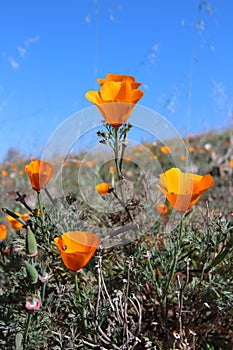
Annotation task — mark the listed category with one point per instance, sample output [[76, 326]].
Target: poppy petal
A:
[[94, 97], [110, 90]]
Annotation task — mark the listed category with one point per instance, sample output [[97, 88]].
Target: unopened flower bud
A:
[[18, 341], [31, 245], [31, 273]]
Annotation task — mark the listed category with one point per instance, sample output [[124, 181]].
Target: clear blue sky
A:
[[52, 51]]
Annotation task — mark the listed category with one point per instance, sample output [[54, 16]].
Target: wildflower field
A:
[[135, 251]]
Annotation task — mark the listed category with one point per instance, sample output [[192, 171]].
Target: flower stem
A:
[[154, 279], [124, 145], [13, 215], [27, 327], [43, 291], [116, 151], [49, 196], [77, 288], [22, 201], [123, 205], [119, 175], [41, 214], [175, 258], [81, 307], [158, 288]]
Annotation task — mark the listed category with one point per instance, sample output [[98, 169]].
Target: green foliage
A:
[[171, 288]]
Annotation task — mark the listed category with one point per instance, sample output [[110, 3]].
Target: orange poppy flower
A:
[[5, 173], [15, 224], [3, 232], [162, 209], [77, 248], [40, 173], [183, 190], [191, 149], [119, 78], [103, 188], [165, 150], [183, 157], [116, 99]]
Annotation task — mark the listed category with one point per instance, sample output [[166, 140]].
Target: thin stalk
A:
[[49, 196], [41, 213], [154, 279], [77, 288], [22, 201], [43, 292], [99, 285], [27, 327], [180, 298], [124, 145], [81, 307], [175, 258], [13, 215], [116, 152], [122, 155], [157, 289], [119, 175], [123, 205]]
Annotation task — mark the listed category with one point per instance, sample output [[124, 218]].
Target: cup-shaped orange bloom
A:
[[3, 232], [119, 78], [77, 248], [15, 224], [117, 97], [165, 150], [40, 173], [183, 190], [103, 188]]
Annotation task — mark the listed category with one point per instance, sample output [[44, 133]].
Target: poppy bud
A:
[[31, 245], [18, 341], [31, 273], [103, 188], [40, 173]]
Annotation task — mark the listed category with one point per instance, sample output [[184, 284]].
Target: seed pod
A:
[[31, 273], [31, 245], [18, 341]]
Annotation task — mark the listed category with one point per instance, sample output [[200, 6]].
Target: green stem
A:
[[43, 291], [123, 205], [49, 196], [175, 258], [154, 278], [123, 150], [27, 327], [13, 215], [77, 288], [119, 175], [41, 214], [21, 200], [81, 307], [116, 151], [158, 289]]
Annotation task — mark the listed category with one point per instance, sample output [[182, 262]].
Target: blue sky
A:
[[52, 51]]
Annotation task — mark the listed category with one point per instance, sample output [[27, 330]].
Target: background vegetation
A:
[[168, 288]]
